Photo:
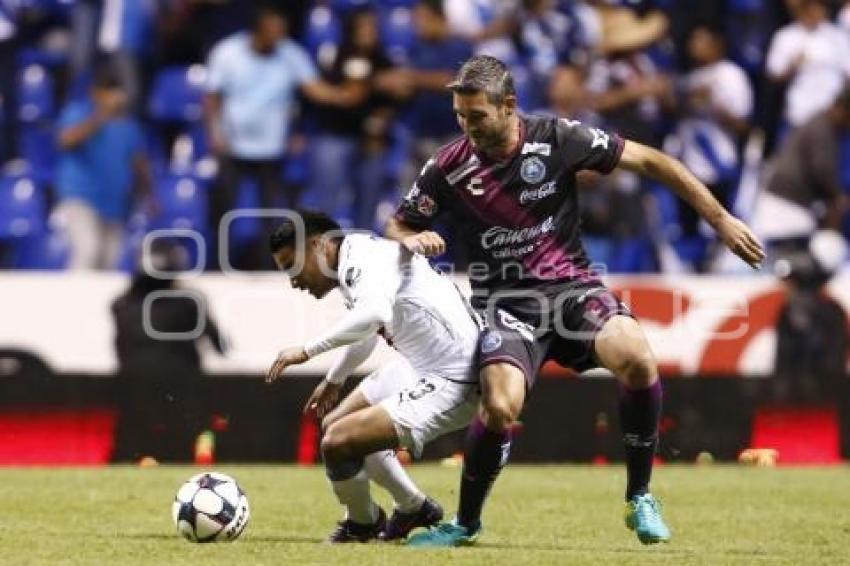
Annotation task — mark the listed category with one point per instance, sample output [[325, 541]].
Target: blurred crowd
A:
[[120, 118]]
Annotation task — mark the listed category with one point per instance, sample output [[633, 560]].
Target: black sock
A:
[[640, 411], [485, 455]]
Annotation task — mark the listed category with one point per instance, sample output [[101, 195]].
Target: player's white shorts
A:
[[387, 381], [422, 407], [434, 406]]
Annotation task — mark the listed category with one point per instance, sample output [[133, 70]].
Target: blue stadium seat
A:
[[398, 34], [176, 94], [344, 5], [323, 31], [49, 250], [22, 207], [35, 94], [182, 201], [37, 145]]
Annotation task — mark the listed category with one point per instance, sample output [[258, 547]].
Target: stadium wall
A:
[[60, 402]]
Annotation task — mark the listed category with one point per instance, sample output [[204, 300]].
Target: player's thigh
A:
[[353, 402], [361, 432], [622, 347]]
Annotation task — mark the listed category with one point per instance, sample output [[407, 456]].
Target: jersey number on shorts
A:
[[418, 391]]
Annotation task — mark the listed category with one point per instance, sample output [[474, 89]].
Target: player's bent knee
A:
[[334, 445], [328, 420], [499, 412], [637, 368]]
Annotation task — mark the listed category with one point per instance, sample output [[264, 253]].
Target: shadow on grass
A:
[[246, 539]]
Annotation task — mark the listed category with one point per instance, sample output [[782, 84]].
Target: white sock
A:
[[385, 469], [353, 493]]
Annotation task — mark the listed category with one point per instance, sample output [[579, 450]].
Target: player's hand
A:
[[427, 243], [286, 358], [738, 238], [323, 399]]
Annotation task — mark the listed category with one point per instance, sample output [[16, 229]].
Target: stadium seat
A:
[[49, 251], [22, 207], [176, 94], [37, 146], [322, 33], [35, 94], [182, 201]]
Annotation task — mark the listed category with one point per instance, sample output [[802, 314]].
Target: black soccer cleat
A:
[[349, 531], [400, 524]]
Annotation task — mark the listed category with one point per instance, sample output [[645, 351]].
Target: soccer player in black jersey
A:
[[510, 181]]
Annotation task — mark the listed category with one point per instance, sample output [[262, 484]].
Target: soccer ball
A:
[[210, 507]]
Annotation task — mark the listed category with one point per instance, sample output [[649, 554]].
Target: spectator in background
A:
[[715, 109], [810, 56], [629, 93], [162, 405], [252, 81], [803, 189], [347, 153], [549, 36], [119, 34], [843, 17], [8, 88], [101, 162], [434, 60], [813, 341]]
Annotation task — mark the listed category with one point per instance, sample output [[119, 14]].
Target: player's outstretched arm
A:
[[360, 323], [427, 243], [672, 173]]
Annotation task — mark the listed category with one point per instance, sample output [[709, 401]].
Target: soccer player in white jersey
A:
[[396, 294]]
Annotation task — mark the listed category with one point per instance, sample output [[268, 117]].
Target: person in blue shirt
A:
[[253, 79], [101, 162]]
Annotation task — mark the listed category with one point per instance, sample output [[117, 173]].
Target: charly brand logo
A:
[[532, 170], [600, 138], [498, 236], [475, 186], [541, 192]]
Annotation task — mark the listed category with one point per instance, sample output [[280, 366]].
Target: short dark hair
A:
[[262, 9], [105, 77], [483, 73], [315, 224]]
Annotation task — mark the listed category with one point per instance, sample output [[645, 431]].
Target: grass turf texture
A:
[[537, 515]]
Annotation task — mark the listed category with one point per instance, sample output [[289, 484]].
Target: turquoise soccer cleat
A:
[[643, 516], [445, 534]]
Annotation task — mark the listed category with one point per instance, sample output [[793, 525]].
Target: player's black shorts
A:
[[557, 322]]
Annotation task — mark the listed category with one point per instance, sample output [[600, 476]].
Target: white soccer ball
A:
[[210, 507]]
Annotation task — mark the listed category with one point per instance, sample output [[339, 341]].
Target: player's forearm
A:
[[359, 324], [397, 230], [353, 358], [672, 173]]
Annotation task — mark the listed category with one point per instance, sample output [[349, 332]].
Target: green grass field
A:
[[537, 515]]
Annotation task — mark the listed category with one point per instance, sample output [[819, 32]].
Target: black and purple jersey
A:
[[520, 216]]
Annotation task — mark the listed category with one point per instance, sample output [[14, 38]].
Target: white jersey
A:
[[431, 324]]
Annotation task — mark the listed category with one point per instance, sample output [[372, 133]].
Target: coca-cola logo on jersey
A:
[[498, 236], [541, 192]]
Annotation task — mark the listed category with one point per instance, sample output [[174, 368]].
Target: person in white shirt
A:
[[396, 294], [715, 109], [811, 55], [253, 78]]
